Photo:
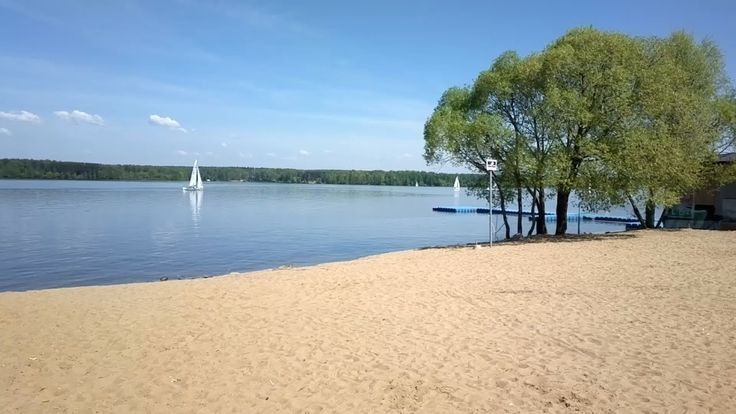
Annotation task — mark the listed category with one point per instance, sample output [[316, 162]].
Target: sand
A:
[[642, 321]]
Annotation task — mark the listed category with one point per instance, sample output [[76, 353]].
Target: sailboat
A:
[[416, 183], [456, 187], [195, 180]]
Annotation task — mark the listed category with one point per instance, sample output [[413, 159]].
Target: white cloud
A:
[[165, 122], [181, 152], [224, 144], [271, 154], [77, 116], [210, 153], [22, 116], [5, 131], [245, 155], [303, 152]]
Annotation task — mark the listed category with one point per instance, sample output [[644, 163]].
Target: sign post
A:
[[491, 166]]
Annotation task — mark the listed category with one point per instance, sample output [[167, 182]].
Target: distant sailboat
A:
[[456, 187], [195, 180], [416, 183]]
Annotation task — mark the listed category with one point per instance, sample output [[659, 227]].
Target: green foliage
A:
[[496, 118], [59, 170], [669, 142], [612, 117], [588, 80], [725, 122], [458, 134]]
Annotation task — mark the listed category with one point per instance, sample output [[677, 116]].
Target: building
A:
[[713, 208]]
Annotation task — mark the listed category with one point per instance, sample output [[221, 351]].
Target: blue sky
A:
[[311, 84]]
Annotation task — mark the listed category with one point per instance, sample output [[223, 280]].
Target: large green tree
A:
[[588, 81], [460, 134], [616, 119], [511, 91], [668, 143]]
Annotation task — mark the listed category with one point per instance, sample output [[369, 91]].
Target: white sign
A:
[[491, 165]]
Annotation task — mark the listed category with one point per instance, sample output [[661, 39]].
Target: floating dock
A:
[[547, 216], [610, 219], [480, 210], [593, 217], [458, 209]]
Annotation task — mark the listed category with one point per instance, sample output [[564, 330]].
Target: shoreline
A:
[[625, 322], [506, 242]]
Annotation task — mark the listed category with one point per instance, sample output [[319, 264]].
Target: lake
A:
[[75, 233]]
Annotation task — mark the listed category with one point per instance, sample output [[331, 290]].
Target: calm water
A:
[[72, 233]]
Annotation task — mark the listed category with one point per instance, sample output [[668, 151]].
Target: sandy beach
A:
[[634, 322]]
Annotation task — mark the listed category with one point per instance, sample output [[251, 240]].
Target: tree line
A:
[[63, 170], [613, 118]]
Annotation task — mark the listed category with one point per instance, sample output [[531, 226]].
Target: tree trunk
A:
[[649, 214], [534, 206], [503, 213], [637, 212], [519, 206], [541, 219], [563, 198]]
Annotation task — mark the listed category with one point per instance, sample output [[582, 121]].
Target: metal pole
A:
[[490, 208], [578, 215]]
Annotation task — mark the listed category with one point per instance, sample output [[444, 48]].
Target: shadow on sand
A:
[[568, 238]]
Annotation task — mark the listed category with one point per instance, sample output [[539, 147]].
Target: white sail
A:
[[457, 184], [195, 180], [199, 180], [194, 175], [416, 183]]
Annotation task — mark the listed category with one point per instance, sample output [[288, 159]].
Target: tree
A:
[[725, 121], [511, 91], [669, 143], [589, 81], [615, 118], [462, 135]]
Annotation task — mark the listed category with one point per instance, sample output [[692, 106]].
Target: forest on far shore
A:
[[64, 170]]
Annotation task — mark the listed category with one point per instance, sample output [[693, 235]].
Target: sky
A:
[[297, 84]]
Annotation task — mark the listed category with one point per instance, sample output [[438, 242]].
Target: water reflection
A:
[[72, 233], [195, 204]]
